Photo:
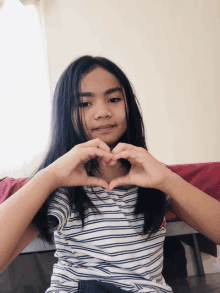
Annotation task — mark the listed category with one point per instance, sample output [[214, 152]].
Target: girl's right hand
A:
[[69, 170]]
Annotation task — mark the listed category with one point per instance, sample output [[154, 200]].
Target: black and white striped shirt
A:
[[111, 248]]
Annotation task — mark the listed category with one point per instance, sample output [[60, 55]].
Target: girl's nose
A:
[[102, 110]]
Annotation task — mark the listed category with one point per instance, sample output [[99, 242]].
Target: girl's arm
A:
[[17, 212], [194, 207], [28, 236]]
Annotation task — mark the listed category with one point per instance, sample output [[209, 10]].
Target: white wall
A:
[[168, 49]]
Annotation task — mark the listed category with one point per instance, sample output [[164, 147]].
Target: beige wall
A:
[[168, 49]]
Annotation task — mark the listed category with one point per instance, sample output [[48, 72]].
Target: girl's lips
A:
[[105, 129]]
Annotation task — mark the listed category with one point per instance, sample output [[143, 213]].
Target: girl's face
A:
[[102, 105]]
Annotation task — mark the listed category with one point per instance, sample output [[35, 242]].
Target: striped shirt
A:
[[111, 248]]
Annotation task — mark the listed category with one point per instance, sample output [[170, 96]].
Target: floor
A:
[[197, 284]]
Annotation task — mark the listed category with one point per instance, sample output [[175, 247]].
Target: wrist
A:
[[170, 182], [51, 177]]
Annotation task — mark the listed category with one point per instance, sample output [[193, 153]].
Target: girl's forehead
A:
[[98, 80]]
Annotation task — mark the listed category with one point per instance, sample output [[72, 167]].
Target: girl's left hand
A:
[[145, 170]]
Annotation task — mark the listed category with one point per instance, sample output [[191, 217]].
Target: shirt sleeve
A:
[[60, 208]]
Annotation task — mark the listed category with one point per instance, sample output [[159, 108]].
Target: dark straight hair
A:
[[67, 131]]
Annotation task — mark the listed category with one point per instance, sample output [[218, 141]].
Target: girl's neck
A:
[[108, 173]]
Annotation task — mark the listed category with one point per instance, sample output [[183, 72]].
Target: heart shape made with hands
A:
[[145, 170], [113, 183], [124, 179]]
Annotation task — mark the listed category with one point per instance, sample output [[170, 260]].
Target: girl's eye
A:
[[115, 99], [83, 104]]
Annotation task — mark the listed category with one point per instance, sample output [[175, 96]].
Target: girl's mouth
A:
[[105, 129]]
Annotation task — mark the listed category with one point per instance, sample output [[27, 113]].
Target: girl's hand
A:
[[145, 170], [69, 170]]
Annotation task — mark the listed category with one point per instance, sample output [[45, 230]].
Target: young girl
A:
[[100, 192]]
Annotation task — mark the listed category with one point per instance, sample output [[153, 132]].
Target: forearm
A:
[[17, 212], [193, 206]]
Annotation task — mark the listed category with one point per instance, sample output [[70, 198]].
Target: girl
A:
[[100, 192]]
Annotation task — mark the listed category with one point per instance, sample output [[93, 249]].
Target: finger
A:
[[97, 181], [109, 162], [112, 162], [130, 155], [123, 147], [119, 181], [90, 153], [98, 143]]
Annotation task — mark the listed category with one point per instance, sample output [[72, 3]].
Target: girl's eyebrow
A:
[[108, 92]]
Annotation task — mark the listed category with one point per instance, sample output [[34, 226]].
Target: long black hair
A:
[[66, 133]]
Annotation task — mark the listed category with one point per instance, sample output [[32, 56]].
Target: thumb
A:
[[97, 181], [120, 181]]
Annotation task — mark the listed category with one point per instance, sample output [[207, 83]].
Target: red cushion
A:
[[204, 176], [8, 186]]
